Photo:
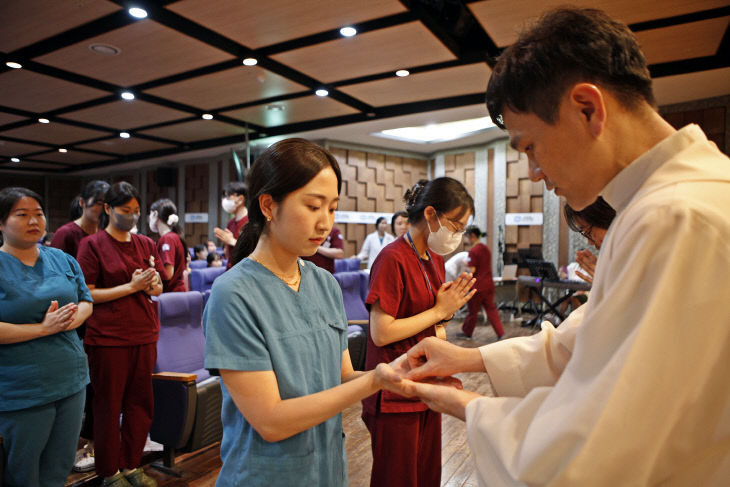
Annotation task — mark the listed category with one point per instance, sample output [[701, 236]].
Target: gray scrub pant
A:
[[40, 442]]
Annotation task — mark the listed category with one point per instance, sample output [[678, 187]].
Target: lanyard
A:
[[420, 265]]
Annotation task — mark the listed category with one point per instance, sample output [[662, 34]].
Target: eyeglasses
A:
[[456, 226], [587, 232]]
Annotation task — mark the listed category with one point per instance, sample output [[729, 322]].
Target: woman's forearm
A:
[[102, 295], [84, 311], [282, 419], [386, 330], [16, 333]]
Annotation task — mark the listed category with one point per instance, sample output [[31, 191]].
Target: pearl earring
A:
[[268, 218]]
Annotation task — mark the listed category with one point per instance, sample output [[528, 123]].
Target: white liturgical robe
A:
[[634, 388]]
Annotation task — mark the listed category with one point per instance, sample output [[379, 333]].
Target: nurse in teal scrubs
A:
[[276, 330], [43, 369]]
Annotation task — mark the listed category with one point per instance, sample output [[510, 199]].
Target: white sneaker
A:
[[84, 461]]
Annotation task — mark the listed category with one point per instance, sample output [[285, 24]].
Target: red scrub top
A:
[[106, 262], [172, 252], [481, 258], [235, 226], [333, 241], [398, 283], [68, 237]]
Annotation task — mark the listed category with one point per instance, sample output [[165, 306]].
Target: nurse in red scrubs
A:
[[410, 301]]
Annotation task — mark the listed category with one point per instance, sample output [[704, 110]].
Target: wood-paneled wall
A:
[[522, 196], [373, 182], [461, 167], [196, 201]]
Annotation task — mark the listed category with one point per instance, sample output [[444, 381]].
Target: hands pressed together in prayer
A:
[[426, 371]]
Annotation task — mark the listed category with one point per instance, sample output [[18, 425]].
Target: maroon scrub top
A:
[[68, 237], [398, 283], [172, 252], [235, 226], [333, 241], [107, 263], [481, 258]]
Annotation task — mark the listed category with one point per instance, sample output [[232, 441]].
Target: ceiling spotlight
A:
[[275, 107], [44, 120], [207, 116], [348, 31], [128, 95], [14, 159], [321, 92], [137, 12], [250, 61], [62, 150], [401, 73], [124, 135], [13, 65]]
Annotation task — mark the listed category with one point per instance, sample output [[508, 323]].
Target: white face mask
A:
[[153, 222], [443, 241], [229, 206]]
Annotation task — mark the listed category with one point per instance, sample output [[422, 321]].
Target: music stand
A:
[[543, 269]]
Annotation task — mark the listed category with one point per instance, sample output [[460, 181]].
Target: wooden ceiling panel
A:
[[196, 130], [23, 89], [685, 41], [124, 115], [280, 20], [295, 110], [15, 149], [397, 47], [229, 87], [131, 145], [45, 18], [461, 80], [673, 89], [6, 118], [503, 19], [53, 133], [148, 51], [30, 165], [71, 157]]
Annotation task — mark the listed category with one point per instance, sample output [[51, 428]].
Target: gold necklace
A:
[[289, 282]]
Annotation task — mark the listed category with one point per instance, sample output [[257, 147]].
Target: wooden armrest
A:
[[358, 322], [175, 376]]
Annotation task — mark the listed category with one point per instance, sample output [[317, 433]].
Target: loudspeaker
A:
[[166, 176]]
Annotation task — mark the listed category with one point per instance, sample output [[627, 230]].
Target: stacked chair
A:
[[202, 279]]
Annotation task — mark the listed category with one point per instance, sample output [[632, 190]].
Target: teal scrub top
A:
[[253, 321], [49, 368]]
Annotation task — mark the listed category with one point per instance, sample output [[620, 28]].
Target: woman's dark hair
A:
[[117, 195], [197, 249], [166, 208], [93, 189], [395, 217], [10, 196], [598, 214], [281, 169], [568, 46], [444, 194], [237, 188], [474, 230], [380, 219], [213, 256]]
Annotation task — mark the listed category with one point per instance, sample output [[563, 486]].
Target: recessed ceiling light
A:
[[321, 92], [44, 120], [402, 73], [137, 12], [14, 65], [250, 61], [14, 159], [275, 107], [62, 150], [348, 31], [105, 49], [124, 135], [128, 95], [207, 116]]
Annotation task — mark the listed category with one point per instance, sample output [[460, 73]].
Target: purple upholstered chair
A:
[[202, 279], [357, 316], [187, 409], [198, 264], [347, 265]]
